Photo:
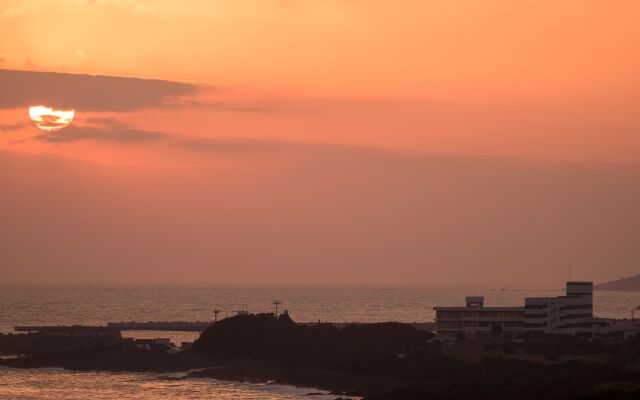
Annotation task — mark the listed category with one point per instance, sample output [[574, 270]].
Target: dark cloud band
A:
[[88, 92], [119, 134], [112, 130]]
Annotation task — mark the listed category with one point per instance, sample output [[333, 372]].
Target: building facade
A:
[[475, 321], [569, 314]]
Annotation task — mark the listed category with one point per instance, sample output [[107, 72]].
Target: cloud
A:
[[111, 130], [217, 105], [11, 127], [88, 92], [119, 133], [248, 145]]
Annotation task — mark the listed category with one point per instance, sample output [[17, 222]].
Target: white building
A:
[[569, 314], [475, 321]]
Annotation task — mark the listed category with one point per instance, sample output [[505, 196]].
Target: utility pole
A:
[[216, 311], [276, 303]]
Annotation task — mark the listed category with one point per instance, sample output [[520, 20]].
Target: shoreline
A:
[[239, 371], [374, 361], [39, 382]]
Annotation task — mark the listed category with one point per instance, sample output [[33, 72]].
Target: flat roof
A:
[[462, 308]]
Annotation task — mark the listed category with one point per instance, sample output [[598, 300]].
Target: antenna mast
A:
[[276, 303], [570, 271]]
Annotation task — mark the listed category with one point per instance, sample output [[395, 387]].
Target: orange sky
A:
[[507, 129]]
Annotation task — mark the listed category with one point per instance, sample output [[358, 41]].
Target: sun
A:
[[49, 119]]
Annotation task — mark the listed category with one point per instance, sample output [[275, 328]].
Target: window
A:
[[450, 325], [574, 316], [450, 314], [577, 307]]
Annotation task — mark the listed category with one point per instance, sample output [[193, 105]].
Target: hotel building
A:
[[569, 314]]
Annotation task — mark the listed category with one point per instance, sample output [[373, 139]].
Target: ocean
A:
[[58, 384], [97, 306]]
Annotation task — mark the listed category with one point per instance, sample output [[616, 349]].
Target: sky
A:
[[286, 142]]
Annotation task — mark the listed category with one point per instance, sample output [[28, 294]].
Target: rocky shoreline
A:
[[378, 361]]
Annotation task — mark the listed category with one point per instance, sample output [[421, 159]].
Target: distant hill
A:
[[631, 283]]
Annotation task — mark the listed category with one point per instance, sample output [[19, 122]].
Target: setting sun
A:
[[336, 199], [50, 120]]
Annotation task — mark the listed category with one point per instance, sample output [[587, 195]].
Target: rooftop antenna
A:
[[570, 271], [216, 311], [276, 303]]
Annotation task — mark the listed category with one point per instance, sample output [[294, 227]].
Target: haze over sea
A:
[[96, 306]]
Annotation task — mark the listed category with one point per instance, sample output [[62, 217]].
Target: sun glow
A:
[[49, 119]]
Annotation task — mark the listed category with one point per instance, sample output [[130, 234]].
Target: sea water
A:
[[97, 306]]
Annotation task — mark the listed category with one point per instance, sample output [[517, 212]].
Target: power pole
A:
[[216, 311]]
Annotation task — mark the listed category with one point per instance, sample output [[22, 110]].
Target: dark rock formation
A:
[[380, 361], [41, 344], [122, 356]]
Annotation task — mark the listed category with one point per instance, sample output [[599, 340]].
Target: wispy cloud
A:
[[249, 145], [112, 130], [119, 134], [12, 127]]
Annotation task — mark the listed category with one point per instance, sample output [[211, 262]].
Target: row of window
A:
[[478, 324], [480, 314], [576, 316], [533, 316], [566, 307], [577, 307], [578, 325], [477, 335]]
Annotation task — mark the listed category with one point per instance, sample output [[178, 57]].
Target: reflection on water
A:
[[175, 337], [57, 384]]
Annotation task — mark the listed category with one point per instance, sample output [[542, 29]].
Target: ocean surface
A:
[[58, 384], [97, 306]]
